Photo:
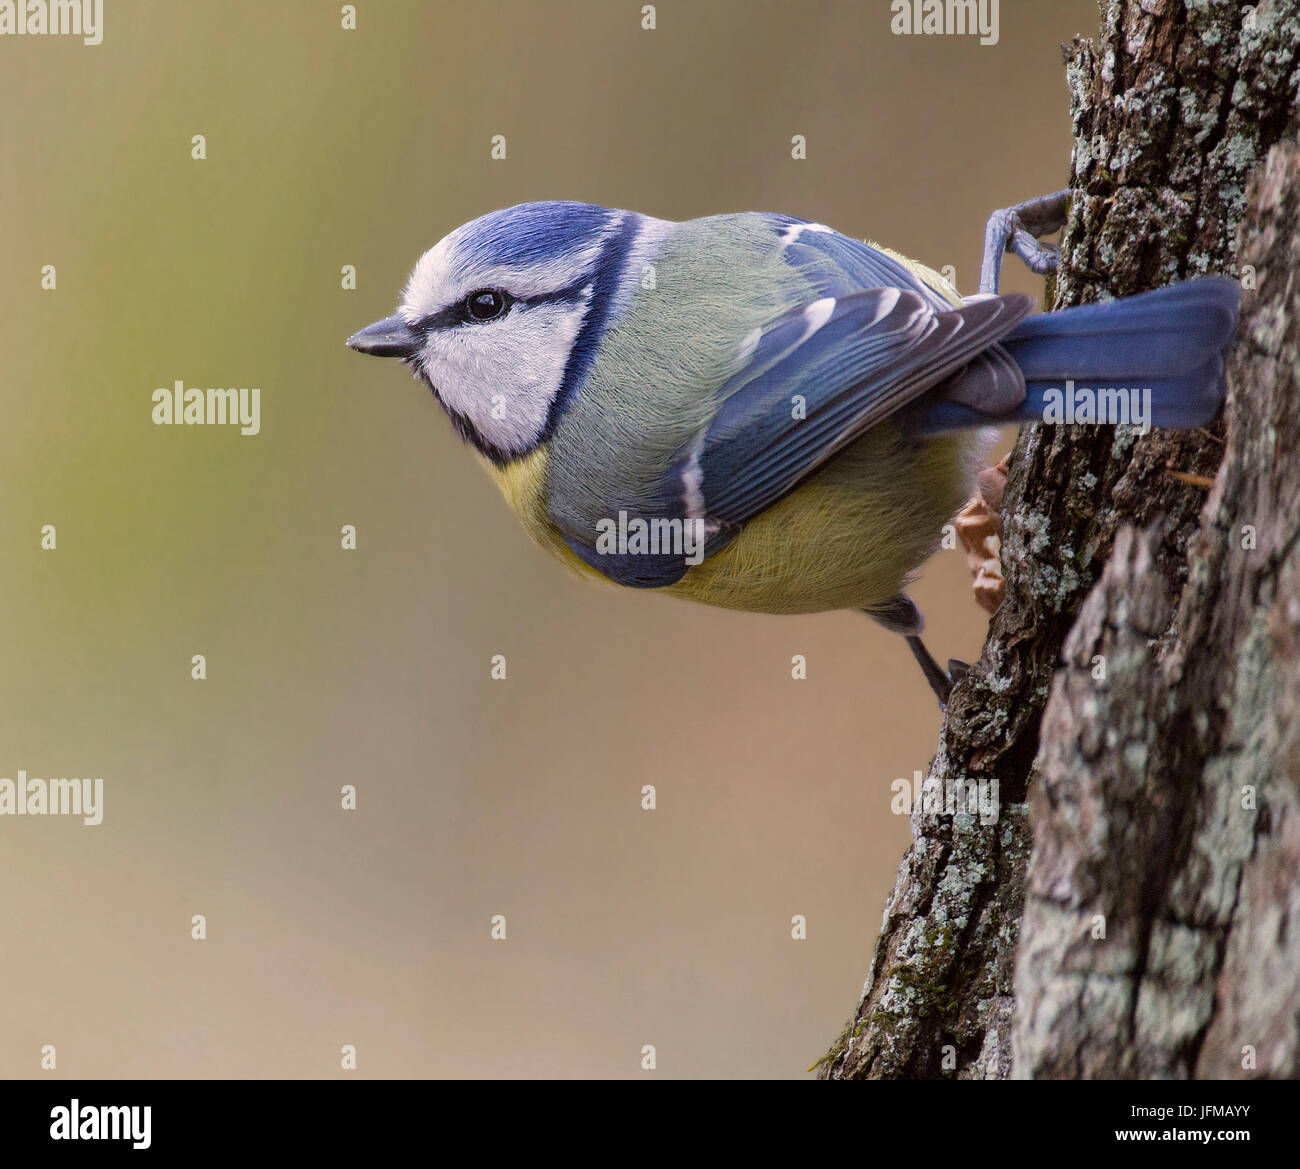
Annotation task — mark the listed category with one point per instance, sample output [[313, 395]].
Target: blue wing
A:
[[848, 363]]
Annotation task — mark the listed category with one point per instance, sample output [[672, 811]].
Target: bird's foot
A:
[[1018, 229], [957, 670]]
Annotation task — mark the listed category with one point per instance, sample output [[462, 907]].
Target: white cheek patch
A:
[[504, 375]]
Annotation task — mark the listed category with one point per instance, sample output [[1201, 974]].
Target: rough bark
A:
[[1123, 809]]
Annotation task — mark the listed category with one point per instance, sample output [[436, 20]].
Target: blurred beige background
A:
[[328, 147]]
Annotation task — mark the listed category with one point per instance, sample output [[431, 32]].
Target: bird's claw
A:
[[957, 670], [1018, 229]]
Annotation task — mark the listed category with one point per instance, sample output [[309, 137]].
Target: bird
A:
[[754, 411]]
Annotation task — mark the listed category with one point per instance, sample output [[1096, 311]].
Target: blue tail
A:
[[1165, 349]]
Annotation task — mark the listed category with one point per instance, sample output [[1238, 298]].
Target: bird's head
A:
[[502, 318]]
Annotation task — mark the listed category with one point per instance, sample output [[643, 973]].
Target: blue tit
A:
[[753, 410]]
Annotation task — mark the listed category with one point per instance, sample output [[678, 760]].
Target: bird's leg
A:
[[1018, 229], [979, 527], [939, 681], [901, 615]]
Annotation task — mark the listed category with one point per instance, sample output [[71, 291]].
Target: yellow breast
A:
[[523, 483]]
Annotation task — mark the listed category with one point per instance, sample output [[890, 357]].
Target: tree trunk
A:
[[1134, 910]]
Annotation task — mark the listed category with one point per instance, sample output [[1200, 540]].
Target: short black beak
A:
[[391, 337]]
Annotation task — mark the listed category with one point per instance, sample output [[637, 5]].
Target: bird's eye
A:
[[486, 304]]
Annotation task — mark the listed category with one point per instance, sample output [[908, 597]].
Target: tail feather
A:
[[1189, 399], [1164, 350]]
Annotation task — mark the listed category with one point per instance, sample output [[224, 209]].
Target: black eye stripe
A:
[[457, 313], [444, 318], [469, 310]]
